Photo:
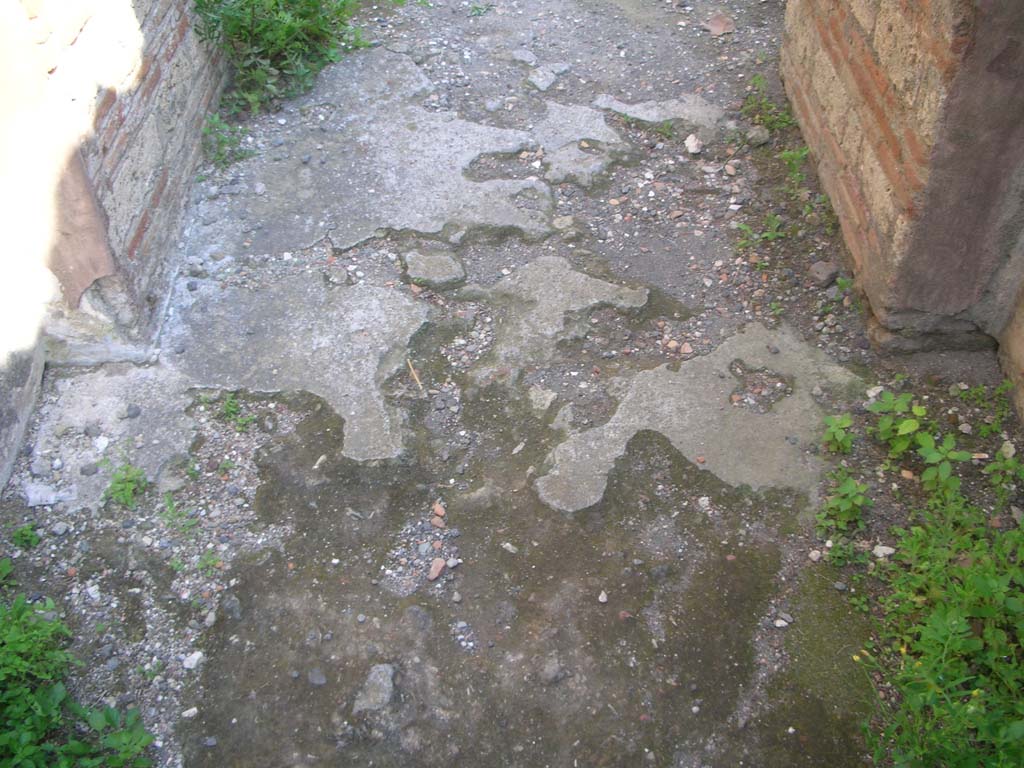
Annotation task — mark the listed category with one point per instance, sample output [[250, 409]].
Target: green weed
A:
[[25, 537], [1004, 472], [952, 610], [665, 129], [275, 47], [175, 518], [209, 563], [938, 478], [954, 618], [761, 110], [222, 143], [844, 507], [900, 420], [772, 231], [40, 725], [838, 437], [795, 176], [126, 484]]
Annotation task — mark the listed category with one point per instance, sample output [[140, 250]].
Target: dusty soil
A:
[[346, 554]]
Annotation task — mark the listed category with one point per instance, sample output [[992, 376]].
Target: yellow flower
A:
[[856, 657], [976, 692]]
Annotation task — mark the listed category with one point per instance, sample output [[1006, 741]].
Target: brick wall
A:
[[144, 148], [103, 103], [913, 111]]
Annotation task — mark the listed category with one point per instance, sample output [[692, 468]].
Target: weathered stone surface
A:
[[299, 334], [435, 269], [91, 404], [20, 375], [932, 215], [691, 407], [541, 78], [688, 108], [407, 172], [560, 133], [540, 297], [823, 273], [377, 690]]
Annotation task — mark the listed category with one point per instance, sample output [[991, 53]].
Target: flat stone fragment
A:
[[40, 495], [540, 297], [299, 334], [689, 108], [758, 136], [541, 78], [437, 566], [524, 56], [434, 269], [560, 132], [823, 273], [380, 161], [377, 690], [691, 407]]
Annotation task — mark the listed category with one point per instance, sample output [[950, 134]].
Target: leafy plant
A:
[[772, 228], [776, 308], [938, 477], [222, 142], [665, 129], [479, 10], [795, 176], [772, 231], [176, 518], [126, 484], [760, 110], [844, 507], [1004, 472], [39, 724], [230, 408], [954, 618], [952, 610], [6, 571], [275, 47], [1000, 410], [25, 537], [209, 562], [838, 438], [900, 421]]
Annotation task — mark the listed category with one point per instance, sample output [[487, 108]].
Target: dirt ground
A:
[[485, 425]]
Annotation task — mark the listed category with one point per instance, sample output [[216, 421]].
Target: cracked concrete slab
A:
[[299, 334], [688, 108], [692, 408], [541, 298], [560, 133], [87, 425], [376, 161]]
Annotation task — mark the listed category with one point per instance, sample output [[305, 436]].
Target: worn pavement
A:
[[510, 478]]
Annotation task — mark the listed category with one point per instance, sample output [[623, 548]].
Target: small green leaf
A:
[[907, 426]]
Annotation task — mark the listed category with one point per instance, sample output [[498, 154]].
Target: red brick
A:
[[103, 106], [140, 232]]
